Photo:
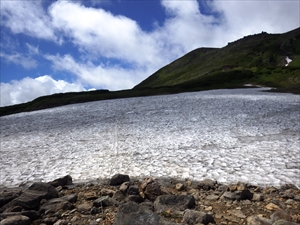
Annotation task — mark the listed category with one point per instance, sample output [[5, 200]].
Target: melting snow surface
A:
[[227, 135], [288, 60]]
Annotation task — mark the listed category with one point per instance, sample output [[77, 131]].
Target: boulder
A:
[[16, 220], [66, 180], [151, 188], [207, 184], [174, 203], [118, 179], [8, 195], [132, 214], [31, 198], [192, 217]]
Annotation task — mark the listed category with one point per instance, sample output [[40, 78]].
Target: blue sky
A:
[[60, 46]]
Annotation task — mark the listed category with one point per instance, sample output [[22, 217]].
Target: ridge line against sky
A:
[[61, 46]]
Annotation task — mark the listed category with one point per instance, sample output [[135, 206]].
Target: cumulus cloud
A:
[[28, 89], [98, 76], [27, 17]]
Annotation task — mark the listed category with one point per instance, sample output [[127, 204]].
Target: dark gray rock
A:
[[119, 179], [70, 198], [16, 220], [133, 190], [135, 198], [105, 201], [207, 184], [174, 203], [238, 195], [192, 217], [119, 196], [133, 214], [151, 188], [66, 180], [31, 198], [8, 195], [55, 204]]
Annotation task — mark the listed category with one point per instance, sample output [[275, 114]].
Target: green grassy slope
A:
[[259, 59]]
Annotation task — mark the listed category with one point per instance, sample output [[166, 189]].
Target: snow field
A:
[[227, 135]]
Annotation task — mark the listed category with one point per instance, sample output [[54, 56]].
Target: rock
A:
[[118, 179], [50, 220], [179, 186], [95, 210], [8, 195], [119, 196], [212, 197], [16, 220], [32, 215], [133, 190], [284, 222], [70, 198], [207, 184], [124, 186], [174, 203], [238, 195], [108, 192], [280, 214], [272, 207], [135, 198], [192, 217], [151, 189], [63, 181], [237, 213], [132, 214], [257, 197], [105, 201], [84, 208], [255, 220], [54, 205], [30, 199], [288, 186], [297, 198], [13, 209]]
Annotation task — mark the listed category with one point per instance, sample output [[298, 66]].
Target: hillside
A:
[[258, 59]]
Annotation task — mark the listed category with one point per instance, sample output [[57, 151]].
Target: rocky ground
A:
[[125, 201]]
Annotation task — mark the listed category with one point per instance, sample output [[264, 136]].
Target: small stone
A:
[[105, 201], [212, 197], [257, 197], [83, 208], [209, 208], [280, 214], [237, 213], [124, 186], [284, 222], [133, 190], [179, 186], [108, 192], [16, 220], [272, 207], [66, 180]]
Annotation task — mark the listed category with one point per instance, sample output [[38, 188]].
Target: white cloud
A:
[[28, 89], [27, 17], [33, 50], [98, 76], [19, 59]]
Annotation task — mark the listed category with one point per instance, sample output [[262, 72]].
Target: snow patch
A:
[[288, 60], [227, 135]]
